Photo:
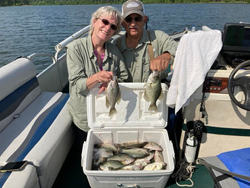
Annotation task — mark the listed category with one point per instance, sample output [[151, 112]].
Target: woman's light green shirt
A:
[[82, 63]]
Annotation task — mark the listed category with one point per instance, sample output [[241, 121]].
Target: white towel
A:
[[195, 55]]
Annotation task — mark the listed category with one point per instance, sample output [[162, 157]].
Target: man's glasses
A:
[[106, 22], [130, 19]]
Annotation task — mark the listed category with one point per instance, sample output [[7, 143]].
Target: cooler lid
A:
[[132, 111]]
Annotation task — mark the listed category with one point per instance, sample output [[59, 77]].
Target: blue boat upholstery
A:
[[24, 178], [220, 178], [34, 126]]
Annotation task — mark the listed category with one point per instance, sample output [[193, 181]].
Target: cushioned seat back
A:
[[19, 87]]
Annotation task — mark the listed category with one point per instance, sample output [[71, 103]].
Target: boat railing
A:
[[54, 78], [60, 46], [41, 55]]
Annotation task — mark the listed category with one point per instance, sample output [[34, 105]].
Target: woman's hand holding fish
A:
[[104, 76], [103, 87], [160, 63], [100, 77]]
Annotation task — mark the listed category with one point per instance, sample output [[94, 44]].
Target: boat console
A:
[[236, 43], [225, 119]]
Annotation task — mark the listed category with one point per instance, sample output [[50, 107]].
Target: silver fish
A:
[[141, 162], [100, 152], [153, 90], [111, 165], [100, 156], [129, 145], [98, 161], [135, 152], [130, 167], [153, 146], [155, 166], [113, 96], [123, 158], [158, 156], [107, 147], [150, 156]]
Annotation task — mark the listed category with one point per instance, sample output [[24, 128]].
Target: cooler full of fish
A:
[[129, 147]]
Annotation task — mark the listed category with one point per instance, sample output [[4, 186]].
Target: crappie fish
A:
[[111, 165], [158, 156], [97, 162], [141, 162], [153, 146], [99, 152], [153, 90], [123, 158], [130, 167], [107, 147], [113, 96], [155, 166], [131, 145], [100, 156], [135, 152], [150, 156]]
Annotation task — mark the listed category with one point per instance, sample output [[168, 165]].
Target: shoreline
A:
[[205, 2]]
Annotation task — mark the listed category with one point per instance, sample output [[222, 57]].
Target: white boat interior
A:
[[35, 125]]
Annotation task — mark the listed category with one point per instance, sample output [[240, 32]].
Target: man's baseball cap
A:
[[132, 7]]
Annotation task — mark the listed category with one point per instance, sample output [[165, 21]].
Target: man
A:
[[135, 48], [134, 44]]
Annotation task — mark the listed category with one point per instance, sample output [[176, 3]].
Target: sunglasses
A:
[[137, 19], [106, 22]]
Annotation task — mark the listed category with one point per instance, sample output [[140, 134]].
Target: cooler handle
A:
[[121, 185]]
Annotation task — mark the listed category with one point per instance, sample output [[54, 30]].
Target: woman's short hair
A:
[[103, 11]]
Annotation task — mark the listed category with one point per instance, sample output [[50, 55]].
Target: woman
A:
[[93, 60]]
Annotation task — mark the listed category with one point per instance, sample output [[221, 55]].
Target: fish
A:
[[153, 91], [155, 166], [99, 152], [153, 146], [130, 156], [113, 95], [130, 167], [141, 162], [150, 156], [130, 145], [100, 156], [98, 161], [123, 158], [107, 147], [135, 152], [158, 156], [111, 165]]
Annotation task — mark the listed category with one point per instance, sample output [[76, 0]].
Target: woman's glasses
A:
[[106, 22], [130, 19]]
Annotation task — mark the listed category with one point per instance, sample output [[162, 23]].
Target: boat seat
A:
[[220, 178], [24, 178], [34, 126], [235, 161]]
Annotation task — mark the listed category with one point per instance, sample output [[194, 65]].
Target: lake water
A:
[[37, 29]]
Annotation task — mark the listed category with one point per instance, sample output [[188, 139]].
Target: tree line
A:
[[88, 2]]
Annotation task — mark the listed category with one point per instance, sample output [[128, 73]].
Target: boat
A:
[[35, 103]]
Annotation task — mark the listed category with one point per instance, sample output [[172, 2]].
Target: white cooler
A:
[[132, 123]]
